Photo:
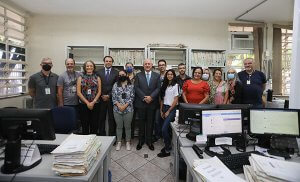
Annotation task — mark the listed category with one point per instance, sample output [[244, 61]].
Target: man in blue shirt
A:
[[254, 83]]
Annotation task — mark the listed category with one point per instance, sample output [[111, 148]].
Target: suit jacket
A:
[[142, 89], [106, 85]]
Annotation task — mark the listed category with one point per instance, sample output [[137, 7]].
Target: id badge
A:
[[47, 91], [73, 89], [248, 82], [89, 91]]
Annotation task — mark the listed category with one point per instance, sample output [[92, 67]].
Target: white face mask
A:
[[205, 77]]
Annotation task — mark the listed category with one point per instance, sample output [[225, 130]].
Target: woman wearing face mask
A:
[[218, 91], [123, 97], [89, 91], [206, 75], [130, 71], [234, 88], [169, 99], [196, 90]]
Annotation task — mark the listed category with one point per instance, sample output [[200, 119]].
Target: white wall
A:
[[48, 36]]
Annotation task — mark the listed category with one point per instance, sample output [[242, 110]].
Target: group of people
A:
[[121, 95]]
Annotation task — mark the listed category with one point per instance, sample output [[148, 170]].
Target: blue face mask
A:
[[205, 76], [129, 69], [230, 76]]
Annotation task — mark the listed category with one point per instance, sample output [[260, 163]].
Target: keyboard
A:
[[235, 162], [46, 148]]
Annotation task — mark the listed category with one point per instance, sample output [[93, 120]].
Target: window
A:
[[12, 53], [235, 57], [286, 43], [236, 61]]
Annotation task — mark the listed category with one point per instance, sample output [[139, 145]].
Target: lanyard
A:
[[47, 80], [70, 77]]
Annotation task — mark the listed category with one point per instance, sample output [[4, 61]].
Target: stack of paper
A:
[[76, 155], [270, 169], [213, 169]]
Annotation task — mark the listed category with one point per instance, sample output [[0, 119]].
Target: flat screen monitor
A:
[[33, 124], [274, 121], [222, 122], [188, 112], [17, 124], [245, 112]]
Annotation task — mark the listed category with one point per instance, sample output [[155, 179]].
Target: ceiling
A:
[[269, 11]]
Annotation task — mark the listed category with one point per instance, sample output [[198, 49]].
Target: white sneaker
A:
[[118, 147], [128, 147]]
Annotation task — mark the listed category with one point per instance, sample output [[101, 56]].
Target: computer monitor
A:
[[274, 122], [245, 112], [17, 124], [222, 122], [188, 112]]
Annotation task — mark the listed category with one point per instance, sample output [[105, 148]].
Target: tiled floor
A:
[[140, 166]]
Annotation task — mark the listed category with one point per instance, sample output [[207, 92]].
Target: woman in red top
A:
[[196, 90]]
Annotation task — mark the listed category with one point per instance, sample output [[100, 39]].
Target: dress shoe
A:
[[163, 154], [139, 146], [151, 147]]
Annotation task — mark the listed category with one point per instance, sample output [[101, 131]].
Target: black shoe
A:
[[151, 147], [155, 139], [163, 154], [139, 146], [162, 150]]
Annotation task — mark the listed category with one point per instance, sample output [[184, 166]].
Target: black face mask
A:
[[46, 67], [122, 78]]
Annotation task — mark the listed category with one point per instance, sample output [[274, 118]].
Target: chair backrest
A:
[[64, 119]]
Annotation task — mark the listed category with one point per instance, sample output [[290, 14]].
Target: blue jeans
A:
[[157, 124], [166, 126]]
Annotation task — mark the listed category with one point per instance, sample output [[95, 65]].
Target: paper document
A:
[[214, 170], [201, 139], [223, 141], [285, 170]]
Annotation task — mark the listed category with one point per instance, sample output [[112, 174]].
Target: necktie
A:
[[148, 78], [107, 74]]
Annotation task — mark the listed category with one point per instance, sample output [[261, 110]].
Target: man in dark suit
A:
[[108, 77], [147, 86]]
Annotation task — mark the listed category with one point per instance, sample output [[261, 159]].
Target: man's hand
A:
[[105, 97], [148, 99]]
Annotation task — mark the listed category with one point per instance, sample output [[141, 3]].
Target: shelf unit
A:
[[83, 53], [172, 55]]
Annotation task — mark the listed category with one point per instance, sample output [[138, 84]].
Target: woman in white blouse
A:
[[169, 99]]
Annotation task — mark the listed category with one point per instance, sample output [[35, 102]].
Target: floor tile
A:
[[115, 155], [117, 172], [150, 153], [149, 173], [131, 162], [163, 163], [169, 178], [129, 178]]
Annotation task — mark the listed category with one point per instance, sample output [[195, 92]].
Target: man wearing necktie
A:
[[108, 77], [147, 86]]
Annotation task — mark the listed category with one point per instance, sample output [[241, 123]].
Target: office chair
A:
[[64, 119]]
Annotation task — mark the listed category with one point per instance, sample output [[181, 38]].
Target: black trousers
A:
[[107, 107], [89, 118], [146, 120]]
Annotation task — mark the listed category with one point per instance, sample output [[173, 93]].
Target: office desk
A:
[[43, 172], [178, 141], [189, 156]]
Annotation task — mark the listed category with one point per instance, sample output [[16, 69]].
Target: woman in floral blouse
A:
[[123, 97], [89, 91]]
